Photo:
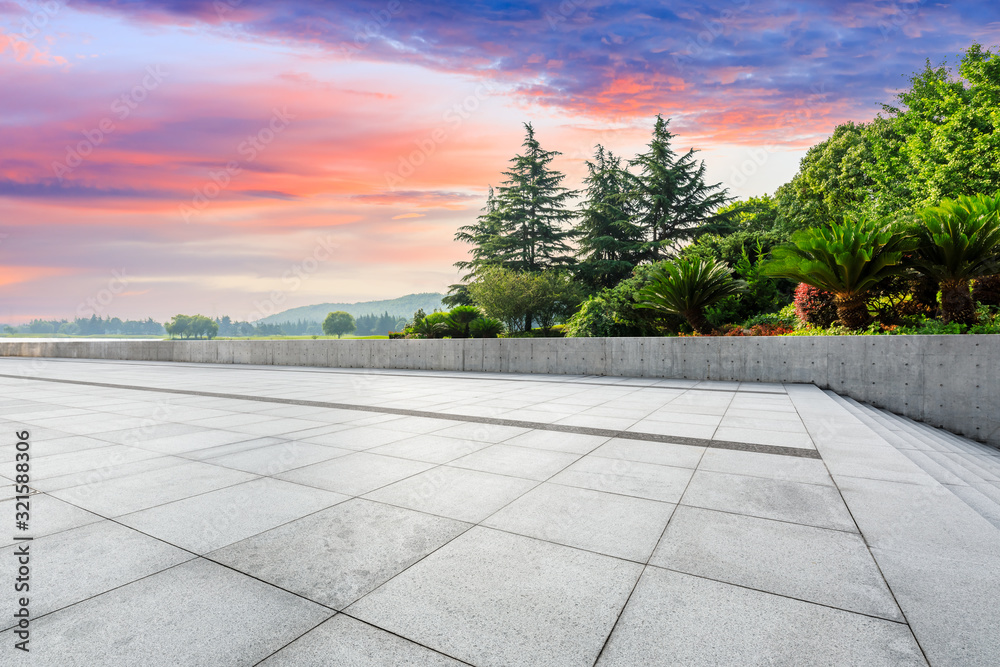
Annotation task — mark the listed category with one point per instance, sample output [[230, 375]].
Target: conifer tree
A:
[[671, 194], [532, 211], [610, 244], [485, 238]]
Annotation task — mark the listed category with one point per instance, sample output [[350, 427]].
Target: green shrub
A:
[[458, 319], [613, 312], [779, 319], [686, 287], [485, 327]]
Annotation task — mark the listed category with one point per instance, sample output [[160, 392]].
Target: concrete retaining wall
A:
[[948, 381]]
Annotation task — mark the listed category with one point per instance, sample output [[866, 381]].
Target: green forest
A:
[[889, 227]]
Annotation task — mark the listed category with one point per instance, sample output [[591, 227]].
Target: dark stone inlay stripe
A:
[[539, 426]]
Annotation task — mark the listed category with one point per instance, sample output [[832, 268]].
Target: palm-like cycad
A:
[[847, 259], [459, 318], [687, 287], [960, 240], [430, 328]]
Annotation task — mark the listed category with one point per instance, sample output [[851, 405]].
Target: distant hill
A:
[[404, 306]]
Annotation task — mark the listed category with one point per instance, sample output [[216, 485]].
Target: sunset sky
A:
[[244, 157]]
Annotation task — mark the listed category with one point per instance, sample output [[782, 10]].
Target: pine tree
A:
[[532, 210], [485, 238], [610, 244], [672, 194]]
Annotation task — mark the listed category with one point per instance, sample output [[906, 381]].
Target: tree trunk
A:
[[852, 311], [956, 302], [924, 301], [698, 322], [986, 290]]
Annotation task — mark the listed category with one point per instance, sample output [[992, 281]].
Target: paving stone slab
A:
[[338, 554], [213, 520], [355, 474], [347, 642], [123, 495], [430, 448], [809, 504], [828, 567], [677, 619], [492, 598], [663, 453], [82, 562], [198, 613], [773, 466], [279, 457], [49, 515], [455, 493], [572, 443], [611, 524], [630, 478], [529, 463]]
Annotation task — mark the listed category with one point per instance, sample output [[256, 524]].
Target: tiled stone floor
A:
[[232, 515]]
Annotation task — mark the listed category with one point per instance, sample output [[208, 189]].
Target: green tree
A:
[[531, 207], [671, 195], [610, 243], [503, 294], [942, 136], [554, 297], [960, 241], [178, 326], [523, 224], [339, 323], [833, 180], [486, 238], [201, 326], [687, 287], [458, 295], [847, 259]]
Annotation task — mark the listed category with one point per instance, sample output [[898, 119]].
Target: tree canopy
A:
[[339, 323]]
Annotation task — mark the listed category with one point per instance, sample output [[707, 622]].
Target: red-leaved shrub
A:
[[814, 306]]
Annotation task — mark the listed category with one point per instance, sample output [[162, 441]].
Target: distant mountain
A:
[[404, 306]]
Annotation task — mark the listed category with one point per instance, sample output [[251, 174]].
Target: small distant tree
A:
[[339, 323], [179, 326], [206, 326]]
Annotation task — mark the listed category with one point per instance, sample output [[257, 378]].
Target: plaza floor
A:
[[186, 514]]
